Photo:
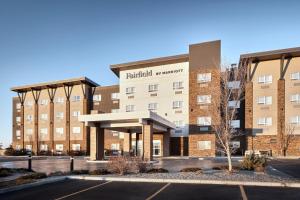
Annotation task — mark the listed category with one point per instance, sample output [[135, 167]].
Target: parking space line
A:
[[160, 190], [244, 196], [72, 194]]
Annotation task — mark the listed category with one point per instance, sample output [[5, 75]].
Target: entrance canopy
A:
[[131, 122]]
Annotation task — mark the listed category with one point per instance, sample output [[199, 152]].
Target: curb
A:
[[213, 182], [29, 185]]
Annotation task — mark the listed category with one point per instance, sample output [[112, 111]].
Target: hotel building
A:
[[160, 107]]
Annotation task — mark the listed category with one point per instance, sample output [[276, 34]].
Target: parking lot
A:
[[83, 189]]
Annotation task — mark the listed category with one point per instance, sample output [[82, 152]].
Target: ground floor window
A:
[[115, 147], [59, 147], [76, 147], [156, 147], [18, 147], [28, 147], [204, 145], [44, 147]]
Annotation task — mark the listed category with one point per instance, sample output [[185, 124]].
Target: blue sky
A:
[[50, 40]]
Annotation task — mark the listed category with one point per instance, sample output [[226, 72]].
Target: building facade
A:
[[176, 92]]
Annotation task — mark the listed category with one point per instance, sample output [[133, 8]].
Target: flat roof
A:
[[116, 68], [272, 55], [53, 84]]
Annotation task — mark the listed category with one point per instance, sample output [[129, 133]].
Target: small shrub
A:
[[191, 169], [5, 172], [59, 173], [99, 172], [157, 170], [35, 175], [10, 151], [120, 165], [81, 171], [140, 164], [76, 153], [45, 153], [251, 162]]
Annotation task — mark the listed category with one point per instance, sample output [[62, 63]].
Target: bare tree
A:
[[286, 138], [225, 107]]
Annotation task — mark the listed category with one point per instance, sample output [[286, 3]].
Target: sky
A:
[[42, 40]]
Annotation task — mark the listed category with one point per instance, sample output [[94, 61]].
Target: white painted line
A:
[[72, 194], [244, 196], [159, 191]]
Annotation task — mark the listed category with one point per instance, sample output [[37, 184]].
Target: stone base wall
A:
[[193, 149]]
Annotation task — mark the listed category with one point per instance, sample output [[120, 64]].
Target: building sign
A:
[[149, 73]]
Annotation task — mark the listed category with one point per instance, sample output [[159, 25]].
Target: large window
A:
[[265, 79], [204, 99], [204, 121], [295, 76], [156, 147], [235, 123], [295, 120], [75, 98], [177, 85], [265, 121], [234, 104], [204, 145], [76, 147], [204, 78], [114, 96], [130, 108], [29, 103], [177, 104], [43, 102], [18, 119], [59, 100], [76, 113], [97, 97], [28, 147], [29, 131], [115, 147], [18, 106], [59, 115], [44, 147], [130, 90], [44, 131], [152, 106], [179, 123], [29, 118], [76, 130], [18, 134], [295, 98], [59, 147], [59, 131], [44, 116], [266, 100], [153, 87]]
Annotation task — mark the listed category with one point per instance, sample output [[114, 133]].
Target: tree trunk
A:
[[229, 160], [284, 152]]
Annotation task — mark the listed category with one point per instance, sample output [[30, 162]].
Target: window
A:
[[28, 147], [18, 147], [18, 134], [235, 123], [76, 130], [29, 103], [29, 131], [177, 104], [153, 87], [295, 98], [44, 102], [59, 147], [60, 115], [60, 131], [204, 121], [179, 123], [75, 98], [18, 119], [76, 147], [115, 133], [114, 110], [29, 118], [233, 85], [204, 78], [295, 120], [295, 76], [204, 99], [44, 116], [266, 79], [204, 145], [152, 106], [265, 121], [114, 96], [76, 113], [44, 131], [97, 97], [130, 108], [44, 147], [59, 100], [234, 104], [177, 85], [130, 90], [18, 106], [265, 100], [156, 147], [115, 147]]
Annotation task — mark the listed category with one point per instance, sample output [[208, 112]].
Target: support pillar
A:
[[148, 141], [137, 136], [96, 143], [281, 112], [51, 93], [22, 97], [127, 144], [166, 143], [36, 96], [68, 91]]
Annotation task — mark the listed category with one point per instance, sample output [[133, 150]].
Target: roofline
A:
[[53, 84], [149, 62], [272, 55]]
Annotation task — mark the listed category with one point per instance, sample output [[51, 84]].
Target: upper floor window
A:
[[265, 79], [76, 147], [29, 118], [29, 103], [59, 131], [295, 98], [97, 97], [204, 145], [177, 85], [130, 90], [177, 104], [44, 116], [44, 147], [18, 119], [18, 133], [44, 131], [76, 129], [204, 99], [114, 110], [234, 104], [295, 76], [29, 131], [130, 108], [204, 121], [179, 123], [59, 100], [76, 113], [152, 106], [153, 87], [75, 98], [43, 102], [18, 106], [265, 121], [114, 96], [235, 123], [265, 100], [59, 115], [295, 120], [204, 78], [233, 85]]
